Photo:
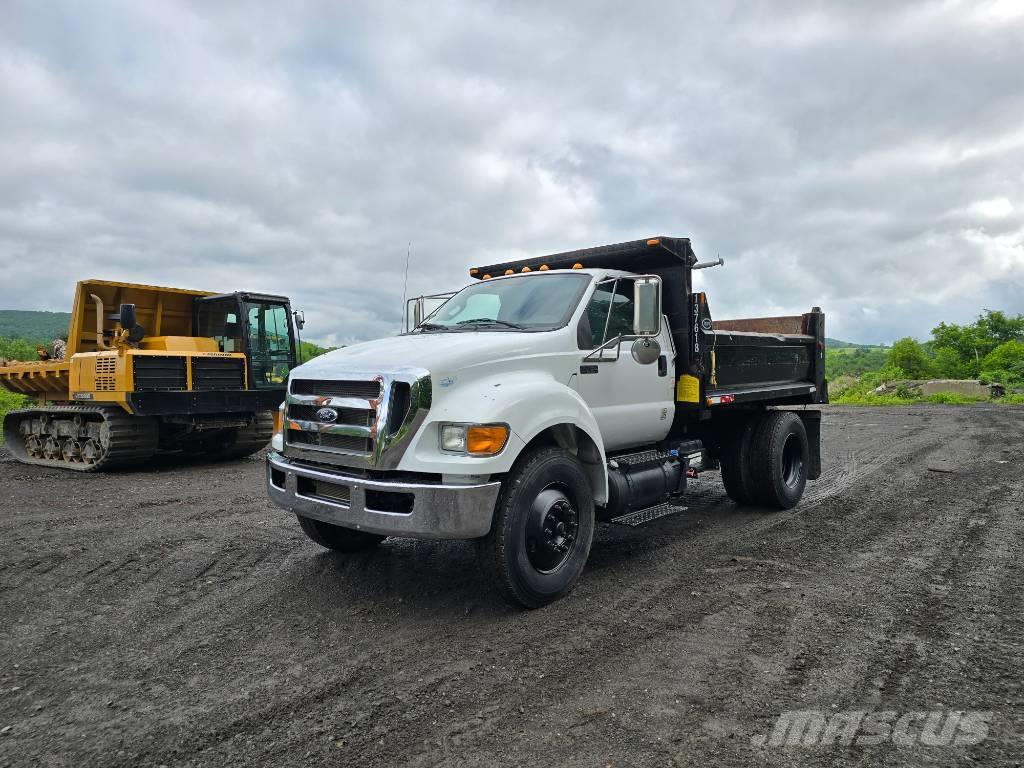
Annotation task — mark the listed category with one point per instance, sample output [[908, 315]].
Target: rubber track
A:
[[248, 440], [133, 439]]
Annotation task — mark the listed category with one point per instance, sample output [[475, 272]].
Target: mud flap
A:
[[812, 424]]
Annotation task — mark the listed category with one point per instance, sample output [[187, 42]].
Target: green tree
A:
[[17, 349], [909, 356], [308, 350], [1005, 363], [971, 343], [949, 365], [999, 327]]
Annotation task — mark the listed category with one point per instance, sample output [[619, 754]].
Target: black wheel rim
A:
[[551, 530], [792, 461]]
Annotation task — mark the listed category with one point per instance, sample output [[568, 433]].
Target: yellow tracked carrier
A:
[[151, 368]]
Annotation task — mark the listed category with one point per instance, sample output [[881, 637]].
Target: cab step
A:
[[640, 457], [641, 516]]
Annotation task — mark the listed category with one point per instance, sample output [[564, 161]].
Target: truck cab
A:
[[546, 396]]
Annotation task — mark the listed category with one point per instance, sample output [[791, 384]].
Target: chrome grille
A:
[[359, 417], [367, 390], [330, 441], [376, 418]]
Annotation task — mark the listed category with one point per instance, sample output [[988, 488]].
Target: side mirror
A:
[[647, 306], [128, 318], [129, 322]]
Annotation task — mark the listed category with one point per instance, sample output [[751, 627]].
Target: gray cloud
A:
[[866, 157]]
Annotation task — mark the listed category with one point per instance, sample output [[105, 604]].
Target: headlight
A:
[[453, 438], [474, 439]]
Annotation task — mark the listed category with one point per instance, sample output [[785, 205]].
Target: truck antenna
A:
[[405, 285]]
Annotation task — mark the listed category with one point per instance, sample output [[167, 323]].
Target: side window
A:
[[621, 322], [231, 340], [611, 307], [219, 321], [269, 343]]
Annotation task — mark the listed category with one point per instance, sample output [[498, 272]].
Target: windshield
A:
[[521, 303]]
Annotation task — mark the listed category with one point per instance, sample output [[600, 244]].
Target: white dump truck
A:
[[549, 395]]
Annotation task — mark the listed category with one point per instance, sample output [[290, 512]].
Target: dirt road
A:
[[172, 616]]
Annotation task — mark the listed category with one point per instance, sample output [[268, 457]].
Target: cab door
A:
[[632, 402]]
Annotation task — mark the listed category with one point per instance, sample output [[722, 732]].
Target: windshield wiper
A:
[[430, 327], [491, 321]]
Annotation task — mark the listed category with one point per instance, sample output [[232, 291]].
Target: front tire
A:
[[338, 538], [542, 531]]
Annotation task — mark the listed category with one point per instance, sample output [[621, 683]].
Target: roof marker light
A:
[[654, 241], [473, 271], [526, 269], [487, 277], [544, 267], [577, 265], [510, 271]]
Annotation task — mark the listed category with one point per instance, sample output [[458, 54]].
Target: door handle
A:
[[663, 366]]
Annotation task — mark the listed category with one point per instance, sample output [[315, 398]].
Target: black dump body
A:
[[754, 361]]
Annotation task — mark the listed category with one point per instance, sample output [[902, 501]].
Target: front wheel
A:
[[542, 531]]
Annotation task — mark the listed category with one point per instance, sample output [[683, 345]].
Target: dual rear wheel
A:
[[765, 461]]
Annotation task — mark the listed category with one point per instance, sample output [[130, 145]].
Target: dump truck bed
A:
[[774, 359], [50, 378]]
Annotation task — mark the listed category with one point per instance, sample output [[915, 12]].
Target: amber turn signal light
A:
[[486, 440]]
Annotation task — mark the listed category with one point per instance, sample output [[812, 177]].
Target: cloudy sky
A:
[[867, 157]]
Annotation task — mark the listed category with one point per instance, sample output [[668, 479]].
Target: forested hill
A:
[[837, 344], [33, 325]]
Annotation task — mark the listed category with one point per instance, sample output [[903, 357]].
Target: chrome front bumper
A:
[[437, 511]]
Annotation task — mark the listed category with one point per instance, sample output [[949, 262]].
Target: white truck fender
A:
[[531, 403]]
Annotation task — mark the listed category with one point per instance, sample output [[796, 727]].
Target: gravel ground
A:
[[173, 616]]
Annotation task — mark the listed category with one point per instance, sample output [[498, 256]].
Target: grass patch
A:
[[942, 398]]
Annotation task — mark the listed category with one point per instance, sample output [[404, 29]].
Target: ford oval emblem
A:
[[327, 415]]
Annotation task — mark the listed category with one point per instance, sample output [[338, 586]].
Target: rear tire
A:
[[542, 531], [779, 456], [735, 463], [338, 538]]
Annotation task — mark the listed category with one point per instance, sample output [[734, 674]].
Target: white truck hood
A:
[[438, 353]]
